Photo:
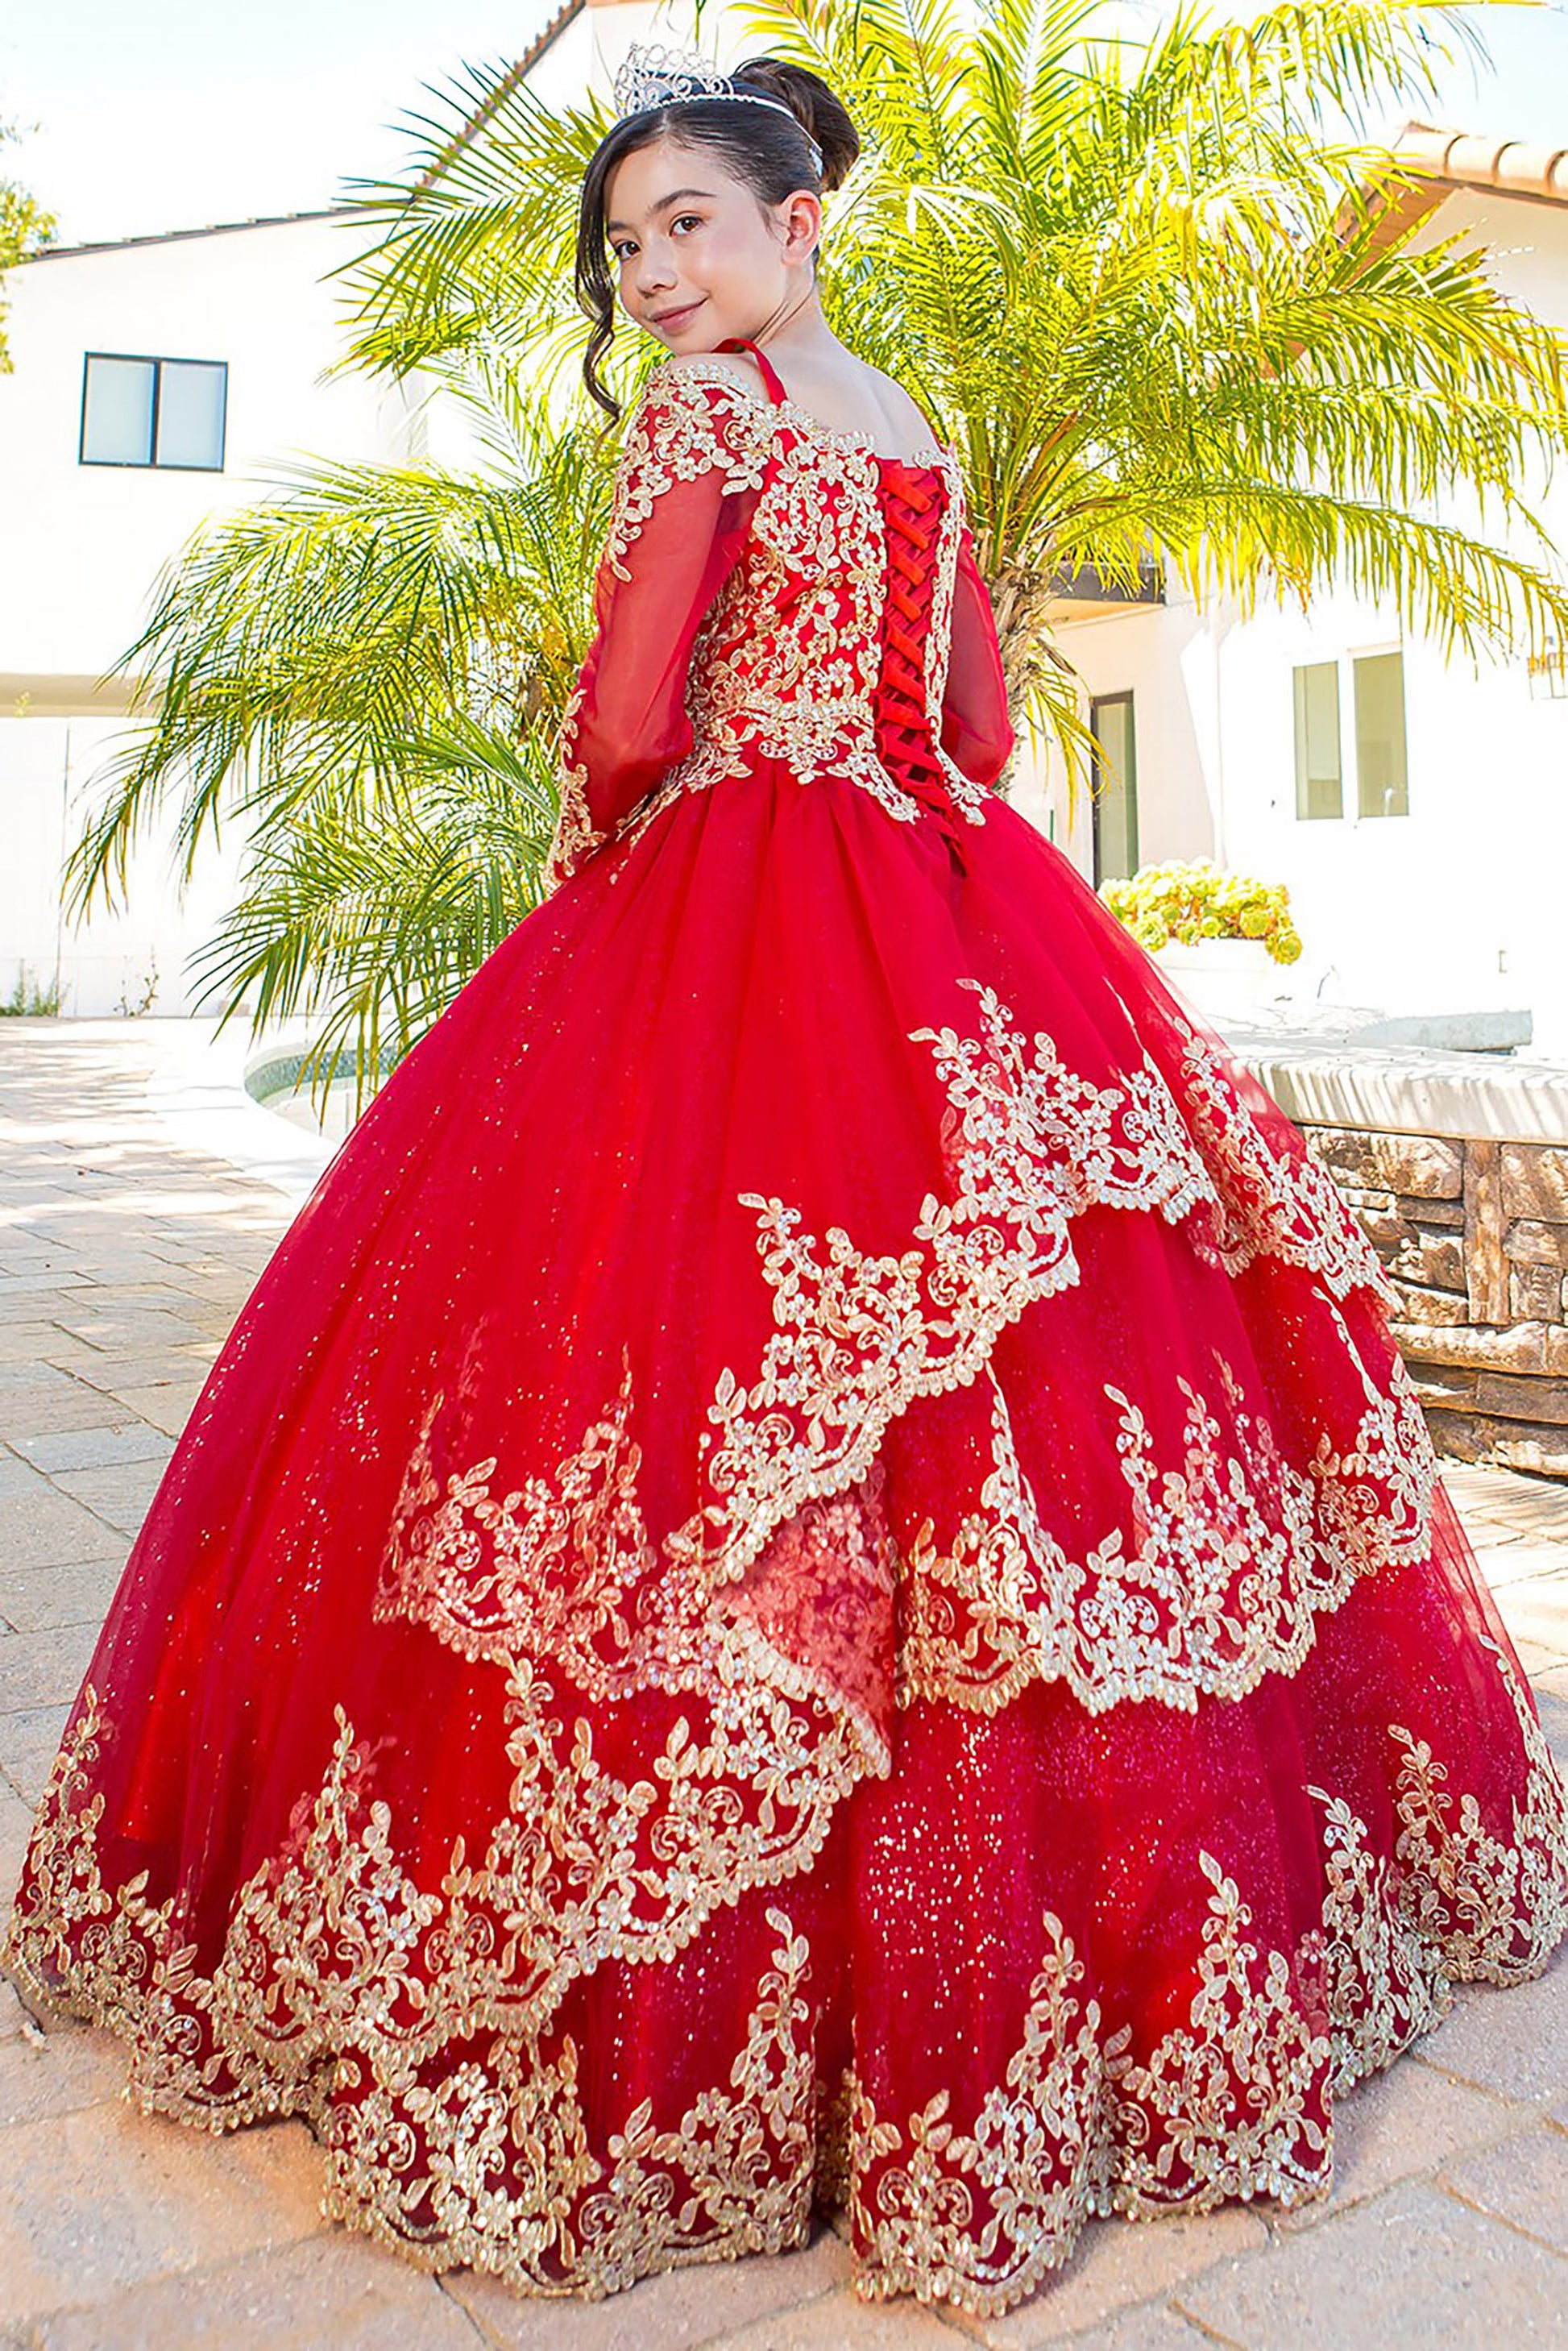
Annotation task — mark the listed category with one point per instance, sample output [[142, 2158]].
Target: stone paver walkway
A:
[[125, 1254]]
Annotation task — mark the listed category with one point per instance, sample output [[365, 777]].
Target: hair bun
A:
[[820, 112]]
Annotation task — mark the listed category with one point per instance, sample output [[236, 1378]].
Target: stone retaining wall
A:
[[1474, 1233]]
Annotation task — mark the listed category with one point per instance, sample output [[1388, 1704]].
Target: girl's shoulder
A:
[[700, 396], [694, 411], [688, 375], [693, 378]]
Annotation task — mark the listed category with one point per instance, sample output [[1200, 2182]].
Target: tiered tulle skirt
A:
[[810, 1577]]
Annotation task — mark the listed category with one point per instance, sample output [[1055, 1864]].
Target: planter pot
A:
[[1224, 979]]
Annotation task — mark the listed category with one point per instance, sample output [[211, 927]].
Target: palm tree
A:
[[1170, 307], [369, 669]]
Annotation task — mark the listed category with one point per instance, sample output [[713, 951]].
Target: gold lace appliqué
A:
[[785, 667], [1029, 1145], [1228, 1570], [349, 1995]]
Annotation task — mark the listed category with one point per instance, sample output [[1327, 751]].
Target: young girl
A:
[[812, 1575]]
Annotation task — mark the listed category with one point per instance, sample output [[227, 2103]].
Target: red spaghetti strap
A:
[[770, 374]]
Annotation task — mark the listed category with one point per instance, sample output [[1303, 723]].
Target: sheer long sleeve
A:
[[689, 472], [977, 733]]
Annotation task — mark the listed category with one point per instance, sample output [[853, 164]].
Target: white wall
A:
[[83, 545], [1462, 903], [81, 542]]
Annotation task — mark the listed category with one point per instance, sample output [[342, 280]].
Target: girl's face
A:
[[700, 257]]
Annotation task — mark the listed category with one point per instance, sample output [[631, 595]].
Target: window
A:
[[1380, 788], [1320, 785], [1114, 788], [1377, 695], [142, 411]]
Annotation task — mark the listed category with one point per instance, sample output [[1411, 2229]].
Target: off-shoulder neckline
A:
[[835, 436]]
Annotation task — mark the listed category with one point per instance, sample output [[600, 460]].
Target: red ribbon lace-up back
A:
[[911, 512], [910, 500]]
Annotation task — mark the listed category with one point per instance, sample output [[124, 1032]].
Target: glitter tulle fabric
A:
[[811, 1577]]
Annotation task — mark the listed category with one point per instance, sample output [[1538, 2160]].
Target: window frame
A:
[[1128, 781], [1355, 654], [1300, 742], [152, 464], [1343, 663]]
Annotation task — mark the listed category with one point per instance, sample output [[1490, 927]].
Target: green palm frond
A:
[[1165, 294], [370, 918], [295, 649]]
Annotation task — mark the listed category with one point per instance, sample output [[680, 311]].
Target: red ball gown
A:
[[812, 1575]]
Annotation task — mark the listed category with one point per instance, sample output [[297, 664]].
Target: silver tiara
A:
[[649, 76]]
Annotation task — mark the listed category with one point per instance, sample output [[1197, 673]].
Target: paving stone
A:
[[119, 1492], [111, 1268], [45, 1668], [1513, 2041], [216, 1289], [43, 1303], [29, 1742], [683, 2306], [1534, 1502], [51, 1530], [1524, 2181], [67, 2071], [1537, 1611], [329, 2292], [95, 1449], [150, 1368], [1115, 2265], [1414, 2267], [106, 2198], [837, 2321], [1399, 2125], [74, 1355], [1553, 1709], [1535, 1660], [18, 1477], [78, 1595], [29, 1342], [139, 1329], [43, 1400], [26, 1373], [1155, 2329], [15, 2021], [1521, 1562], [15, 1833], [165, 1405], [156, 1290]]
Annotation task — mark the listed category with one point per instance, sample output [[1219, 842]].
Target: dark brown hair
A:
[[758, 145]]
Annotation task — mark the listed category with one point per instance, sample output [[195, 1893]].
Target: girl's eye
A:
[[620, 251]]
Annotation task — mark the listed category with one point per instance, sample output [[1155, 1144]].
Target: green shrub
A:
[[1190, 899]]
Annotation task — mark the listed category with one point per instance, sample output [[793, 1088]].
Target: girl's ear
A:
[[802, 220]]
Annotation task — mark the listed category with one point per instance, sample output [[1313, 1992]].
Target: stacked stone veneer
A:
[[1474, 1233]]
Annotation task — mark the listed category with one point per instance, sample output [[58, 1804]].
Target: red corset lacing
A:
[[910, 509]]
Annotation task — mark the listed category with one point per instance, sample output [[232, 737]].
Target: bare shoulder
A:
[[896, 404]]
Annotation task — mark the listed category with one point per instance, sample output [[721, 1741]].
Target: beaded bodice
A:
[[831, 648], [820, 576]]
